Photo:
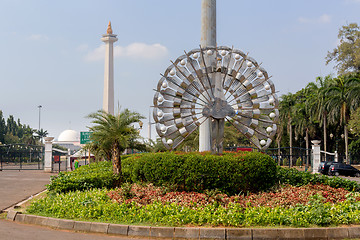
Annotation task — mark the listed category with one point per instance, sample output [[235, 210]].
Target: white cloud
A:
[[134, 50], [323, 19], [38, 37]]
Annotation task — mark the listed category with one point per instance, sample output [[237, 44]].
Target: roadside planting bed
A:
[[175, 189]]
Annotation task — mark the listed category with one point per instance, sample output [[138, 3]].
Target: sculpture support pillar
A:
[[208, 39]]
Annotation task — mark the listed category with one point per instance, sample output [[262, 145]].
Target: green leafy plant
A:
[[299, 178], [95, 175], [179, 209], [230, 173]]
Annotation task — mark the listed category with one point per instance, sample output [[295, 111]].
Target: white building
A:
[[69, 139]]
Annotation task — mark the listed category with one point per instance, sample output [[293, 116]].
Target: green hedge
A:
[[95, 175], [230, 173], [297, 178]]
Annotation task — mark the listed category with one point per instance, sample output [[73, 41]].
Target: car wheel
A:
[[336, 174], [357, 174]]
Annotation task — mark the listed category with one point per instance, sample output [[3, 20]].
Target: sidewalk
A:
[[15, 186]]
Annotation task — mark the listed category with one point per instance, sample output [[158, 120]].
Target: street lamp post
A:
[[39, 115]]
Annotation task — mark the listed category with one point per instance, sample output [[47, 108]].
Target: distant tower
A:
[[108, 99]]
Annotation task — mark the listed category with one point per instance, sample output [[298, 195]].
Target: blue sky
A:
[[52, 55]]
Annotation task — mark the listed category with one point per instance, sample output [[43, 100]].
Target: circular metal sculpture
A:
[[217, 84]]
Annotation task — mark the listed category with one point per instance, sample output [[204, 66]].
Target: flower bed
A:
[[309, 205], [287, 196]]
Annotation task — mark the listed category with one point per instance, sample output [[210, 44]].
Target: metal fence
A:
[[21, 157], [59, 160], [287, 156]]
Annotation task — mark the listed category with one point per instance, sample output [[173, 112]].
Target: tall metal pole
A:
[[208, 39], [149, 127], [39, 115]]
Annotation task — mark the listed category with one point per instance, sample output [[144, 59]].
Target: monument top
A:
[[109, 29]]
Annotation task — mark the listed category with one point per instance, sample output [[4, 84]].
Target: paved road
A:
[[356, 179], [16, 186]]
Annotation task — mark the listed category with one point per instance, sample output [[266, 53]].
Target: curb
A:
[[190, 232], [6, 209]]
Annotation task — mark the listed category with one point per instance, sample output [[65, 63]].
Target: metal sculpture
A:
[[219, 83]]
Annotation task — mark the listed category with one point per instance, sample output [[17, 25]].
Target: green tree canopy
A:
[[112, 134], [347, 54], [354, 123]]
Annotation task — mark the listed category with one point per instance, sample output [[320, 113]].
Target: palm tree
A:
[[345, 98], [41, 134], [286, 116], [114, 134], [29, 137], [302, 124], [315, 102]]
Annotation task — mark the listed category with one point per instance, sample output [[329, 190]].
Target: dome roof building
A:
[[69, 136], [69, 139]]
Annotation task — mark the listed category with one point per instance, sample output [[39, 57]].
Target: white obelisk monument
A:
[[108, 99], [208, 39]]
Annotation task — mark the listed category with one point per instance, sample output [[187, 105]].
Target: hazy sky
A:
[[51, 53]]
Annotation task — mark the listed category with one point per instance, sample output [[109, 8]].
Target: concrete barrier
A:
[[186, 233], [162, 232], [139, 231], [118, 229], [99, 227], [239, 233], [190, 232]]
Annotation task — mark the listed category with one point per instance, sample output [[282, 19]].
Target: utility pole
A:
[[39, 115]]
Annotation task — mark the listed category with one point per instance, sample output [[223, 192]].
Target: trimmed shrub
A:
[[230, 173], [297, 178], [94, 175]]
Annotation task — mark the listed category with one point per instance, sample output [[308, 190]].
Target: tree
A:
[[41, 134], [354, 123], [2, 128], [347, 54], [158, 146], [11, 126], [115, 133], [315, 103], [302, 119], [354, 126], [29, 136], [345, 98], [286, 116]]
